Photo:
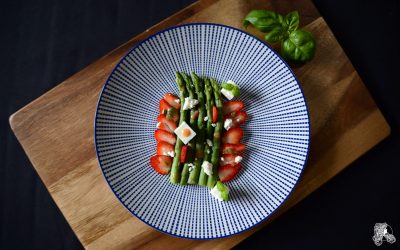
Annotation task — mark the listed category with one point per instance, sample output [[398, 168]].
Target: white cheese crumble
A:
[[191, 167], [209, 143], [216, 193], [179, 132], [171, 153], [228, 124], [222, 159], [189, 103], [213, 124], [207, 166], [177, 100], [227, 93], [238, 159], [206, 118]]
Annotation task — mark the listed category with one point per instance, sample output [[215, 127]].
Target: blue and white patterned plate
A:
[[276, 134]]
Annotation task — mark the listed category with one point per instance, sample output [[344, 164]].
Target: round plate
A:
[[276, 134]]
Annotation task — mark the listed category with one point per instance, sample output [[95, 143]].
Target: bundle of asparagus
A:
[[196, 157]]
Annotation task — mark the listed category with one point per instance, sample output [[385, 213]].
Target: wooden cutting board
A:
[[56, 131]]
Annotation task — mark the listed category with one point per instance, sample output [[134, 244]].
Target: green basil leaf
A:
[[263, 20], [275, 35], [292, 21], [299, 47]]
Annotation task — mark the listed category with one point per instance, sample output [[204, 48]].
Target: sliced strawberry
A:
[[228, 172], [164, 106], [162, 135], [238, 118], [164, 148], [232, 136], [183, 153], [169, 123], [172, 100], [194, 115], [230, 159], [164, 127], [214, 114], [232, 106], [161, 163], [172, 114], [237, 149]]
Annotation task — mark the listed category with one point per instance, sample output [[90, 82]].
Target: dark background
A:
[[43, 43]]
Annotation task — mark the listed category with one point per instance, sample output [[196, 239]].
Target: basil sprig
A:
[[297, 46]]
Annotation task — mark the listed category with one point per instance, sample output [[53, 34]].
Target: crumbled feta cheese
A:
[[227, 93], [209, 143], [177, 100], [213, 124], [207, 166], [189, 103], [206, 118], [216, 193], [191, 167], [179, 132], [228, 124], [222, 159], [171, 153], [238, 159], [158, 124]]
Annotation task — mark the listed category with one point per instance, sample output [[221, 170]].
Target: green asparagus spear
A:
[[194, 175], [203, 176], [210, 103], [217, 135], [175, 175], [208, 91], [193, 124]]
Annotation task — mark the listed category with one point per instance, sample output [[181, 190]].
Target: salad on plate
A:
[[198, 134]]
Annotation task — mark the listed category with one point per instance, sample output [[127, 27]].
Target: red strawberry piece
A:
[[161, 163], [164, 127], [194, 115], [172, 114], [232, 136], [169, 123], [228, 172], [164, 148], [183, 153], [214, 114], [229, 159], [165, 136], [238, 118], [232, 106], [164, 106], [237, 149], [172, 100]]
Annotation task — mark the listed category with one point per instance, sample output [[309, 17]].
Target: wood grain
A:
[[56, 131]]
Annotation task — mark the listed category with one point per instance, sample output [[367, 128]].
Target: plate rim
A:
[[200, 24]]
